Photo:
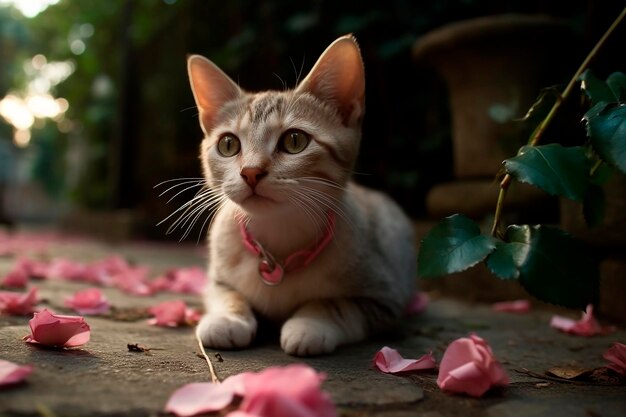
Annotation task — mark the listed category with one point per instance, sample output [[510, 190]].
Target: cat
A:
[[294, 239]]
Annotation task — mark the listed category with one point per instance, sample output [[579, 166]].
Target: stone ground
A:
[[104, 379]]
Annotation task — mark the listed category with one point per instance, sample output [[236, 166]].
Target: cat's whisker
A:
[[323, 181], [210, 192], [315, 219], [182, 184], [215, 210], [297, 73], [188, 212], [308, 205], [283, 82], [336, 203], [209, 206], [189, 108], [201, 205], [331, 203], [178, 179], [187, 205], [193, 223], [180, 223], [202, 228], [204, 191], [181, 191], [241, 216], [219, 208]]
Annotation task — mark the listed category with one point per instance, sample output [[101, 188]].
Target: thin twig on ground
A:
[[214, 378]]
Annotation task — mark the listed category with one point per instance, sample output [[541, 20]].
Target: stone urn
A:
[[494, 68]]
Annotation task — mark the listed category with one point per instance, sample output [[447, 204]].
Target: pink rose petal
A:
[[617, 356], [181, 280], [22, 243], [18, 304], [390, 361], [89, 301], [192, 316], [418, 303], [468, 366], [34, 269], [291, 391], [58, 330], [587, 326], [173, 313], [204, 397], [517, 306], [17, 278], [12, 373], [102, 272], [66, 269], [133, 281]]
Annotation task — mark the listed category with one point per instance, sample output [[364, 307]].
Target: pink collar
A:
[[272, 271]]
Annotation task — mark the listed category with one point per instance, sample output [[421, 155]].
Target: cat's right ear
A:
[[211, 88], [338, 78]]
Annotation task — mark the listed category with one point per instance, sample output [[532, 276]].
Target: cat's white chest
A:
[[279, 301]]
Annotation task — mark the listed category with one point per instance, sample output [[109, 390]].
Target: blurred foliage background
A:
[[122, 116]]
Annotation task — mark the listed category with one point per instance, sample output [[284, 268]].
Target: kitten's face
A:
[[292, 149], [277, 148]]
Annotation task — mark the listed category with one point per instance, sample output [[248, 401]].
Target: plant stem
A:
[[595, 167], [506, 181]]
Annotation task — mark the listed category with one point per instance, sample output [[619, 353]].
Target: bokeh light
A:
[[29, 8], [21, 138], [16, 112], [29, 108]]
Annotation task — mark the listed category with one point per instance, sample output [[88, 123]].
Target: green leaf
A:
[[505, 260], [454, 245], [542, 105], [594, 205], [617, 84], [554, 267], [596, 89], [596, 110], [608, 136], [553, 168]]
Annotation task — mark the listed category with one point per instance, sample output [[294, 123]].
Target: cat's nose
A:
[[252, 175]]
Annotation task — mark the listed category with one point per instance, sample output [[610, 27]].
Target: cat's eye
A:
[[293, 141], [228, 145]]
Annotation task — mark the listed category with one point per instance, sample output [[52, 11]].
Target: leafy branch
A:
[[546, 261], [539, 131]]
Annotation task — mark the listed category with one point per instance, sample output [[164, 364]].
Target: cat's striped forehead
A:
[[280, 109], [260, 107], [259, 120]]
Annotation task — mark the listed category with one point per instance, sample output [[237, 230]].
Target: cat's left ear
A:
[[211, 87], [338, 78]]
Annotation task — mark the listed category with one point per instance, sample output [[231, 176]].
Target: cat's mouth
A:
[[254, 198]]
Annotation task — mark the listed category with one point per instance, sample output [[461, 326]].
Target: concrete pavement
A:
[[104, 378]]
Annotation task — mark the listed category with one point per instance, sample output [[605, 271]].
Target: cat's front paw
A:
[[226, 331], [305, 336]]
